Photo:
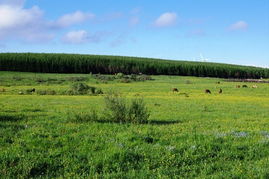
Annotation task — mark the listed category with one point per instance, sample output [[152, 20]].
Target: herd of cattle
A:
[[207, 91]]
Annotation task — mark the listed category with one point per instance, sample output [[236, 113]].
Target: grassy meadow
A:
[[190, 134]]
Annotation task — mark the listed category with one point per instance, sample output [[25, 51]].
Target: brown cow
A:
[[238, 86], [207, 91], [220, 91], [175, 90]]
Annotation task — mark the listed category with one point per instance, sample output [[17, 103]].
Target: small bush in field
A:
[[119, 75], [81, 88], [99, 91], [117, 107], [92, 90], [138, 112], [120, 111]]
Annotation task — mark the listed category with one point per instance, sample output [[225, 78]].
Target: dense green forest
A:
[[75, 63]]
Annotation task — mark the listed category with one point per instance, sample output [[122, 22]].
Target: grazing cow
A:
[[238, 86], [244, 86], [207, 91], [218, 82], [2, 90], [220, 91], [254, 86], [175, 90]]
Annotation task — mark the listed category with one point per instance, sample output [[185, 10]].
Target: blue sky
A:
[[225, 31]]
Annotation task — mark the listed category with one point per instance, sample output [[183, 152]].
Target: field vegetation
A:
[[134, 129]]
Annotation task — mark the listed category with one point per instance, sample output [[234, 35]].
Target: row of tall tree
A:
[[75, 63]]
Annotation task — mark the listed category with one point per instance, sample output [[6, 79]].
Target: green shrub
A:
[[92, 90], [138, 112], [99, 91], [119, 75], [116, 107], [118, 110], [80, 88]]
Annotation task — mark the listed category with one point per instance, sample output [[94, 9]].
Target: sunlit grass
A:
[[202, 135]]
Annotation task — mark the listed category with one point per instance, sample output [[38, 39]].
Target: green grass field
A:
[[203, 135]]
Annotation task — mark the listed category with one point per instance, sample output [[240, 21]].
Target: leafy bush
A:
[[81, 88], [138, 112], [99, 91], [119, 75], [120, 111]]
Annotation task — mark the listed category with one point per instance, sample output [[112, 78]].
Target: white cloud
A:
[[166, 19], [14, 17], [82, 36], [133, 21], [14, 3], [240, 25], [28, 24], [76, 37], [74, 18]]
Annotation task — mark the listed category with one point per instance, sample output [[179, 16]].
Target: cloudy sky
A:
[[226, 31]]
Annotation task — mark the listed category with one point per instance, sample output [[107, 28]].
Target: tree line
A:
[[76, 63]]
